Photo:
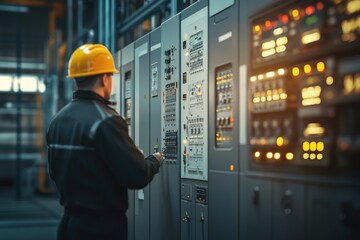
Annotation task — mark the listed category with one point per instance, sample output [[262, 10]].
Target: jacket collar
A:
[[90, 95]]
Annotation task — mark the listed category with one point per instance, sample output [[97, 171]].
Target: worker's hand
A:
[[158, 156]]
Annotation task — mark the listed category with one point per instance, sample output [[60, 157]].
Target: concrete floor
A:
[[30, 218]]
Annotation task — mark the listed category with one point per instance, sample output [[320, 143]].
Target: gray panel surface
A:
[[258, 209], [223, 183], [187, 218], [216, 6], [202, 222], [142, 134], [288, 210], [332, 213], [127, 66]]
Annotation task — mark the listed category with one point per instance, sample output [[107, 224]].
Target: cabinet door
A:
[[258, 210], [333, 213], [288, 211]]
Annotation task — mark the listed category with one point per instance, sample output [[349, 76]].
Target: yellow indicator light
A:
[[307, 69], [269, 155], [310, 36], [256, 100], [281, 71], [260, 77], [257, 28], [232, 167], [320, 146], [280, 141], [281, 41], [283, 96], [295, 14], [253, 78], [278, 31], [311, 101], [348, 84], [352, 7], [306, 146], [319, 156], [312, 156], [305, 156], [185, 141], [313, 146], [263, 99], [270, 74], [320, 66], [357, 83], [277, 155], [268, 53], [257, 154], [289, 156], [314, 129], [276, 97], [329, 80], [295, 71], [269, 98], [268, 45], [280, 49]]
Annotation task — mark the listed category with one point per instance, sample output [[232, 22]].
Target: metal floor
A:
[[31, 218]]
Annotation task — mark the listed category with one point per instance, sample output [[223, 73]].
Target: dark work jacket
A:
[[92, 159]]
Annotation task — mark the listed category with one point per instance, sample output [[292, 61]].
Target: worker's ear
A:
[[103, 80]]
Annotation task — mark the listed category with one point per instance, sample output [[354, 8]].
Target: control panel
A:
[[170, 102], [194, 96], [127, 98], [303, 83], [224, 106]]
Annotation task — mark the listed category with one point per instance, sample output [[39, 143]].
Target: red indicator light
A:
[[285, 19], [309, 10], [231, 119], [320, 6]]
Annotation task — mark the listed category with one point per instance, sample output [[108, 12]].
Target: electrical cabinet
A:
[[141, 131], [223, 121], [127, 112]]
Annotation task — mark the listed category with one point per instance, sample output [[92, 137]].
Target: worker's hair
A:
[[84, 83]]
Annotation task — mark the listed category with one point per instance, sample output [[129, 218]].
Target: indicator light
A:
[[295, 14], [319, 156], [309, 10], [320, 146], [295, 71], [277, 155], [313, 146], [312, 156], [269, 155], [284, 19], [307, 69], [281, 71], [306, 146], [289, 156], [260, 77], [253, 78], [257, 154], [320, 66], [232, 167], [280, 141], [257, 28], [305, 156], [329, 80], [320, 6], [268, 23]]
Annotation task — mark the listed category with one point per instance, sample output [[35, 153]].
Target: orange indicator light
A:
[[268, 23], [232, 167]]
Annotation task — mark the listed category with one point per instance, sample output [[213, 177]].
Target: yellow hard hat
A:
[[91, 59]]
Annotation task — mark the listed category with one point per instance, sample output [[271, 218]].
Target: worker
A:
[[92, 158]]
